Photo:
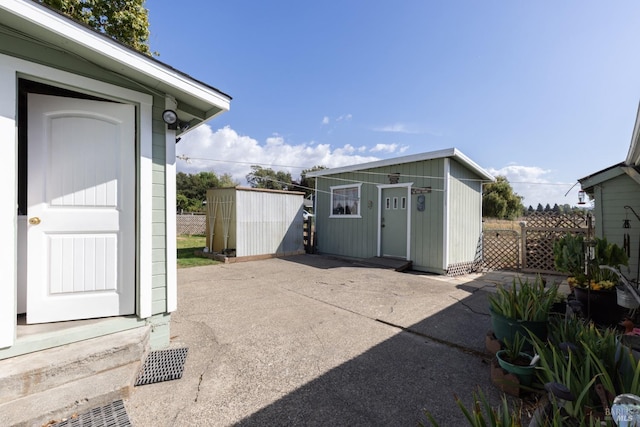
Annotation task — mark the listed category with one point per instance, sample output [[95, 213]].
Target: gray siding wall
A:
[[261, 222], [465, 213], [611, 198], [268, 223]]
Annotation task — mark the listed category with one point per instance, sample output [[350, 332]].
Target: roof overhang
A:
[[589, 182], [197, 101], [453, 153], [633, 156]]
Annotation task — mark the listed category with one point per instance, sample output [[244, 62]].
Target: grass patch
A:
[[187, 245]]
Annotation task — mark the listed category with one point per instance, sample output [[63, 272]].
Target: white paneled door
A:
[[81, 209]]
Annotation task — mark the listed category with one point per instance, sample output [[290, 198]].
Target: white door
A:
[[81, 209]]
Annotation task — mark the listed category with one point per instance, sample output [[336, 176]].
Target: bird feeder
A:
[[581, 197]]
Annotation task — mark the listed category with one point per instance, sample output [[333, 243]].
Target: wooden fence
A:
[[531, 249]]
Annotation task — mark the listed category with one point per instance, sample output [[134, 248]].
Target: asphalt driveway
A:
[[310, 340]]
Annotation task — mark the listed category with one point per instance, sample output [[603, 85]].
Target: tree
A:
[[308, 185], [126, 21], [192, 189], [260, 177], [499, 200]]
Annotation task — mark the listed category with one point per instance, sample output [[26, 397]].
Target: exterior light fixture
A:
[[170, 117], [581, 197]]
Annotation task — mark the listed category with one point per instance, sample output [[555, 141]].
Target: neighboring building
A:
[[90, 167], [426, 208], [616, 194], [254, 223]]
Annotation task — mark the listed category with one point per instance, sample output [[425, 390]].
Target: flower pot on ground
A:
[[520, 367], [520, 308], [515, 361]]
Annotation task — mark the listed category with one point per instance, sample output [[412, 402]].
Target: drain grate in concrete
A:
[[113, 415], [162, 365]]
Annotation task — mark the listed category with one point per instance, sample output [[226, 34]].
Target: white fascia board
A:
[[126, 58], [633, 156]]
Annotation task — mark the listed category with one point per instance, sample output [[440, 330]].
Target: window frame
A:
[[358, 200]]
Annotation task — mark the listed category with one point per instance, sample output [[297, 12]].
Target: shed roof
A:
[[197, 101], [432, 155]]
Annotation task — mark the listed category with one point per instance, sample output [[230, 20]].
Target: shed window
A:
[[345, 200]]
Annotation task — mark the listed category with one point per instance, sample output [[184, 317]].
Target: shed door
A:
[[81, 209], [393, 222]]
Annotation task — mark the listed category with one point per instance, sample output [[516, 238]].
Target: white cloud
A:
[[534, 184], [325, 120], [225, 151], [407, 129], [389, 148], [345, 117], [396, 128]]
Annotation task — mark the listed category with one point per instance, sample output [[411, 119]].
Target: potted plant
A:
[[515, 361], [568, 257], [594, 287], [522, 308]]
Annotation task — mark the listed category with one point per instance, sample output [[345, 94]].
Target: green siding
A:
[[610, 214], [465, 214], [358, 237]]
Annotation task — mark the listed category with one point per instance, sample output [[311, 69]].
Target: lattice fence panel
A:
[[538, 247], [191, 224], [555, 220], [500, 250]]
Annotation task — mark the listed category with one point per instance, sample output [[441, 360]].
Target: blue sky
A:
[[541, 92]]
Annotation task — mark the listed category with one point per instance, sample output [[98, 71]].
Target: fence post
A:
[[523, 244]]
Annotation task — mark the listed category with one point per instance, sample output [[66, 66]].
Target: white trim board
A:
[[10, 70]]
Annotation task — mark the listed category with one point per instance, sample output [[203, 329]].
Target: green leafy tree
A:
[[499, 200], [192, 189], [124, 20], [260, 177], [308, 185], [539, 208]]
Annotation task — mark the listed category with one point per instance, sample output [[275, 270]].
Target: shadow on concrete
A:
[[422, 367]]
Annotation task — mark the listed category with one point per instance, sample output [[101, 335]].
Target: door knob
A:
[[34, 221]]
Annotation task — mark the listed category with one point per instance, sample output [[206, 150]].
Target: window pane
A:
[[345, 201]]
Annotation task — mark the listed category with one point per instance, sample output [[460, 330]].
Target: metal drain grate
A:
[[113, 415], [162, 365]]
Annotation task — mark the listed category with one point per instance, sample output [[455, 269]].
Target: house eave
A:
[[590, 181], [432, 155], [633, 156], [196, 99]]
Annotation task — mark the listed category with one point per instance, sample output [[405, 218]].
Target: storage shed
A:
[[425, 208], [251, 222]]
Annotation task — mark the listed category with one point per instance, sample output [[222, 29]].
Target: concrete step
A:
[[73, 378]]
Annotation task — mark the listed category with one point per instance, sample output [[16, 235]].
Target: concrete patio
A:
[[312, 340]]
